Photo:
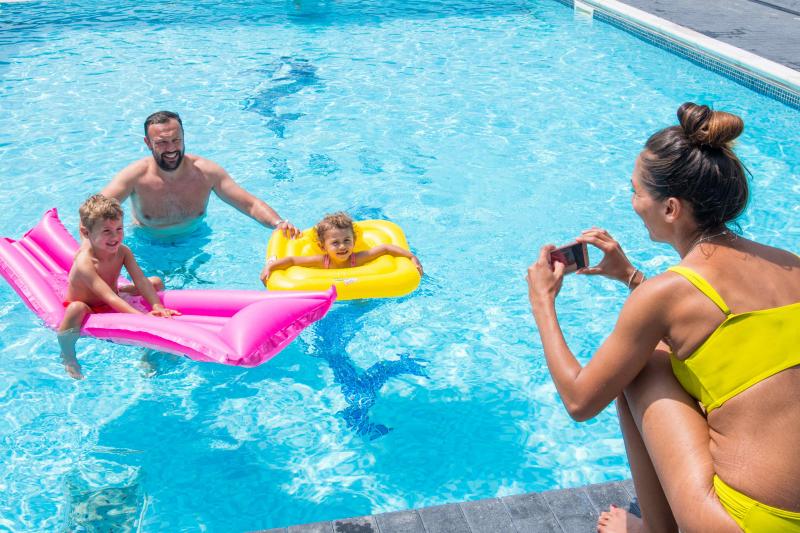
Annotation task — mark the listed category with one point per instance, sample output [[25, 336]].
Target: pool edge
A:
[[559, 511], [755, 72]]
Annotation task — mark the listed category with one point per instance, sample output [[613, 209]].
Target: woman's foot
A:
[[617, 520]]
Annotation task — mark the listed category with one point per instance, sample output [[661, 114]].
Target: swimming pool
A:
[[483, 128]]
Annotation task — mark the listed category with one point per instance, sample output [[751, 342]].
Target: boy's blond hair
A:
[[98, 207], [338, 220]]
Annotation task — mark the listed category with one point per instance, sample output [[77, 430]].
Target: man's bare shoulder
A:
[[133, 172], [208, 167]]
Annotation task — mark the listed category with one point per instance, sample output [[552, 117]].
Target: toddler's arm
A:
[[387, 249], [311, 261]]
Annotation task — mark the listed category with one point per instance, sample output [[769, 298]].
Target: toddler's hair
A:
[[97, 208], [339, 220]]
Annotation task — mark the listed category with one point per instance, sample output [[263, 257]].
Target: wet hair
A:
[[161, 117], [695, 162], [339, 220], [98, 207]]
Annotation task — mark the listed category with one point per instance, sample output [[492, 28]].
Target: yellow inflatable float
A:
[[384, 277]]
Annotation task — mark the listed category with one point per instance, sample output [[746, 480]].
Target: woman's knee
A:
[[157, 283]]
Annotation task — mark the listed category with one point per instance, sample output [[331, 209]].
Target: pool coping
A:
[[746, 68], [557, 511]]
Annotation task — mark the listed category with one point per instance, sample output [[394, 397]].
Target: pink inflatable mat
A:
[[232, 327]]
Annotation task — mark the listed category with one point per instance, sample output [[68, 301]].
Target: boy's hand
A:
[[161, 311], [417, 264]]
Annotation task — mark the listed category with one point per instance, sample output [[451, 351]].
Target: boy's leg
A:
[[68, 333], [158, 285]]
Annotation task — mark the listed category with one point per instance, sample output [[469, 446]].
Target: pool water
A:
[[484, 128]]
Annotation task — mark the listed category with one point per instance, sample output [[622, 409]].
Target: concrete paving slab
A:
[[487, 516], [317, 527], [444, 519], [573, 510], [362, 524], [770, 29], [531, 514], [400, 522]]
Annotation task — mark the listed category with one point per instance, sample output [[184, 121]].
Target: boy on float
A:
[[92, 283], [336, 236]]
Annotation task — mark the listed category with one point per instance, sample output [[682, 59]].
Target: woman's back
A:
[[754, 433]]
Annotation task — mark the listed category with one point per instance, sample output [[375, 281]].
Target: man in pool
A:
[[169, 192]]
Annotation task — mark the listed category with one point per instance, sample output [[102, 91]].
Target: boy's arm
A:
[[311, 261], [387, 249], [143, 285], [89, 276]]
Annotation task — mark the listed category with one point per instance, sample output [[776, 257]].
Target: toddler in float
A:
[[337, 237]]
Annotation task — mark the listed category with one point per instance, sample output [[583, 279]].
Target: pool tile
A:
[[362, 524], [317, 527], [487, 516], [573, 510], [444, 519], [400, 522], [530, 513]]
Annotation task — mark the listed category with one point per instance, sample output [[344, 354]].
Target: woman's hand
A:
[[615, 263], [544, 278]]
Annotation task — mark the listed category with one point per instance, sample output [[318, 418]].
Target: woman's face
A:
[[649, 209]]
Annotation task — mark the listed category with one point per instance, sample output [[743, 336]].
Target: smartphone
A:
[[574, 256]]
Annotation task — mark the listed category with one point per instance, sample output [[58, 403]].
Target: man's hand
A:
[[288, 229]]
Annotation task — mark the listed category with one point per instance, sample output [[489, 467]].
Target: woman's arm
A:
[[587, 390]]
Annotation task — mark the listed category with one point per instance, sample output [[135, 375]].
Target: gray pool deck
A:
[[768, 28], [557, 511]]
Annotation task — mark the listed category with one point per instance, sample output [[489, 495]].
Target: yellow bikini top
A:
[[745, 349]]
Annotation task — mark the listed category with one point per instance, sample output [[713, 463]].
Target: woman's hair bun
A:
[[705, 127]]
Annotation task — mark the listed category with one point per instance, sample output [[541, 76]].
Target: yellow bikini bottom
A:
[[753, 516]]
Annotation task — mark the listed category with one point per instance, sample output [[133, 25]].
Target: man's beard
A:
[[169, 167]]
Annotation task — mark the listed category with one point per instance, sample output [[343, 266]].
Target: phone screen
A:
[[574, 256]]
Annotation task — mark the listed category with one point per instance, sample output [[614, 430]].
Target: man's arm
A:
[[122, 185], [232, 193]]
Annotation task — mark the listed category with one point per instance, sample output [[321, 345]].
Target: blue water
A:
[[483, 128]]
